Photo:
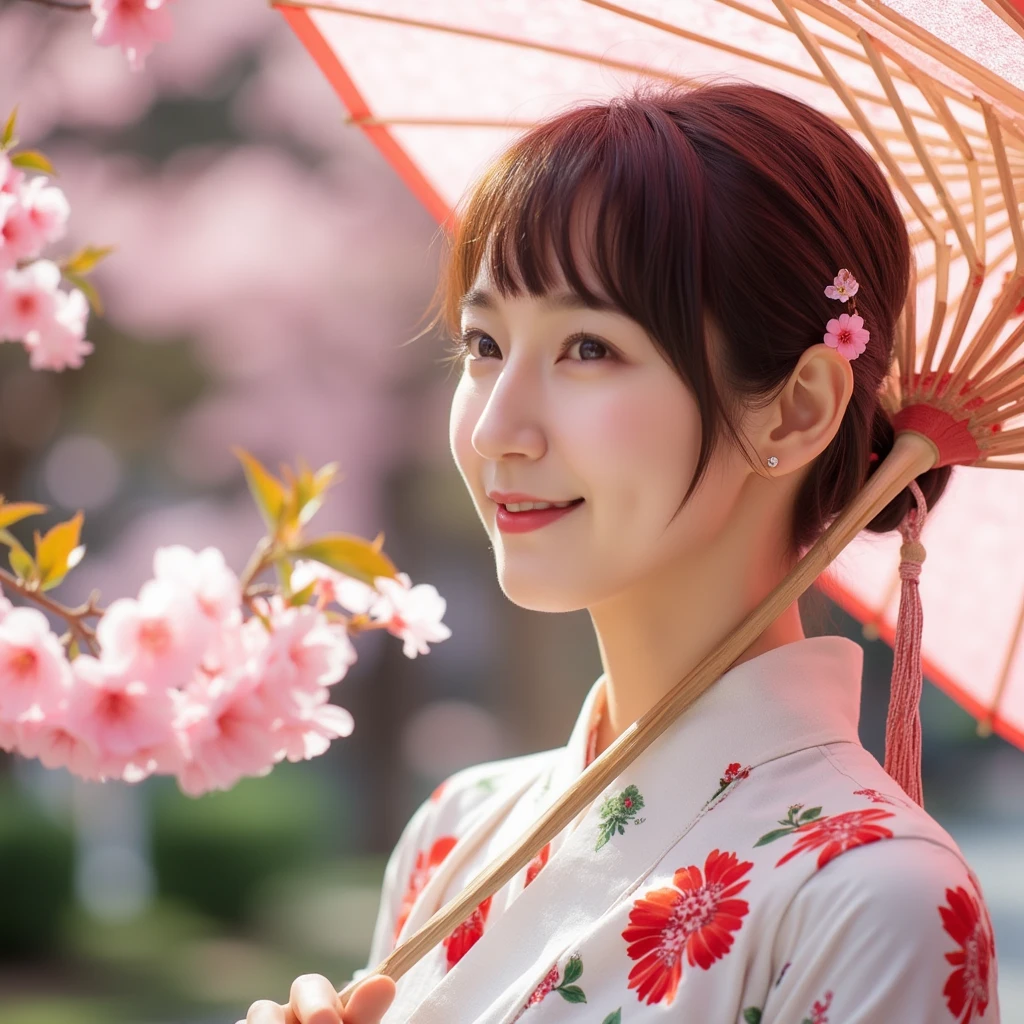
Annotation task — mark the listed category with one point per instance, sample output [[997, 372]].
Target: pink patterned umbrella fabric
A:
[[440, 86]]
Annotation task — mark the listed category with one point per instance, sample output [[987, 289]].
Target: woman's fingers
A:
[[314, 1000], [264, 1011], [369, 1000]]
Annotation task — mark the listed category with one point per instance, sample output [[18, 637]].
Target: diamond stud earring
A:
[[773, 462]]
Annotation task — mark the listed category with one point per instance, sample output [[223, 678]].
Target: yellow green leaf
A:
[[58, 551], [73, 649], [18, 510], [350, 555], [21, 562], [311, 488], [266, 489], [303, 596], [33, 160], [89, 290], [283, 569], [86, 259], [8, 139]]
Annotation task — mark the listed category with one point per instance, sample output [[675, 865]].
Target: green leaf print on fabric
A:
[[793, 820], [573, 969], [617, 811], [614, 1018], [572, 993], [569, 992], [752, 1015]]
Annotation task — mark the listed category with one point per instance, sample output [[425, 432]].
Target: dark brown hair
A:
[[721, 203]]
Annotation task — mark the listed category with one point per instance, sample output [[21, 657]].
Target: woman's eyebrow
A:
[[481, 299]]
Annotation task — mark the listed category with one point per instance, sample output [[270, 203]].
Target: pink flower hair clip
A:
[[847, 333]]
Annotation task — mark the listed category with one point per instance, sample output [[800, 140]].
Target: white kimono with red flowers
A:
[[754, 865]]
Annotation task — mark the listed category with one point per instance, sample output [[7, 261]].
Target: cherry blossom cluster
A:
[[49, 322], [134, 25], [185, 685]]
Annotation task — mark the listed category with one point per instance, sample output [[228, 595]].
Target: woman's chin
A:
[[541, 595]]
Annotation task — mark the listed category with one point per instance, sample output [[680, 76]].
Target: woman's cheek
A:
[[461, 424]]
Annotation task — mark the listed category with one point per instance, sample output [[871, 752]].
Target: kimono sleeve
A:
[[895, 930]]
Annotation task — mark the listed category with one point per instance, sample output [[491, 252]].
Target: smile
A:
[[532, 519]]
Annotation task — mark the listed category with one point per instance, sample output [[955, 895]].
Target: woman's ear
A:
[[806, 415]]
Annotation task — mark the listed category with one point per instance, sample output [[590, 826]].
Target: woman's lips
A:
[[534, 519]]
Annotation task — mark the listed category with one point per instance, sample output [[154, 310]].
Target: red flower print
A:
[[698, 915], [733, 773], [838, 833], [874, 796], [533, 868], [966, 988], [438, 790], [818, 1011], [459, 943], [426, 864], [549, 982]]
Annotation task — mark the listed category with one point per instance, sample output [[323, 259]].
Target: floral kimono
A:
[[755, 864]]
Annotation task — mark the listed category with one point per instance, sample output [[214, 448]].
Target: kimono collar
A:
[[799, 695], [794, 696]]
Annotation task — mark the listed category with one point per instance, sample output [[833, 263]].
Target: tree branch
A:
[[70, 6], [72, 616]]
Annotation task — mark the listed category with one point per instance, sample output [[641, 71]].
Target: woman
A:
[[646, 304]]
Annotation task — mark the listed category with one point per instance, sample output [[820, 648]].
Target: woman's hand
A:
[[314, 1000]]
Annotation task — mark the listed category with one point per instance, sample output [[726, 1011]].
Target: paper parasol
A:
[[936, 92]]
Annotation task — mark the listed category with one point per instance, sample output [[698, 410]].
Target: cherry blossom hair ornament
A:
[[849, 337], [847, 333]]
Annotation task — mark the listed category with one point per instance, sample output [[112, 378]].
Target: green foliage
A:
[[37, 865], [214, 853]]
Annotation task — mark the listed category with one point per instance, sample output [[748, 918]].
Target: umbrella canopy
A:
[[441, 86], [936, 92]]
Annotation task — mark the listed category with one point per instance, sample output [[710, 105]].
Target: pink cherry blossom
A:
[[61, 343], [134, 25], [130, 723], [11, 177], [847, 335], [5, 605], [34, 671], [206, 575], [229, 734], [48, 738], [47, 208], [301, 656], [28, 298], [20, 236], [310, 735], [160, 637], [844, 287], [333, 587], [9, 737], [412, 613]]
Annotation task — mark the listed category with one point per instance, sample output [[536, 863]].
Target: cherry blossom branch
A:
[[74, 617], [61, 6]]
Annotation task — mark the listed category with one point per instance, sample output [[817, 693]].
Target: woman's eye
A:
[[590, 349]]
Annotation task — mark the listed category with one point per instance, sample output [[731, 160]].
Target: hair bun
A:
[[932, 482]]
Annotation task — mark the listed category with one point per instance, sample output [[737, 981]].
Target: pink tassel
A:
[[903, 724]]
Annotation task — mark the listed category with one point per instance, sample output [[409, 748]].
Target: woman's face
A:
[[561, 402]]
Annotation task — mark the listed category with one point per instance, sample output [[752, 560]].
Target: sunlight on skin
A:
[[607, 418]]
